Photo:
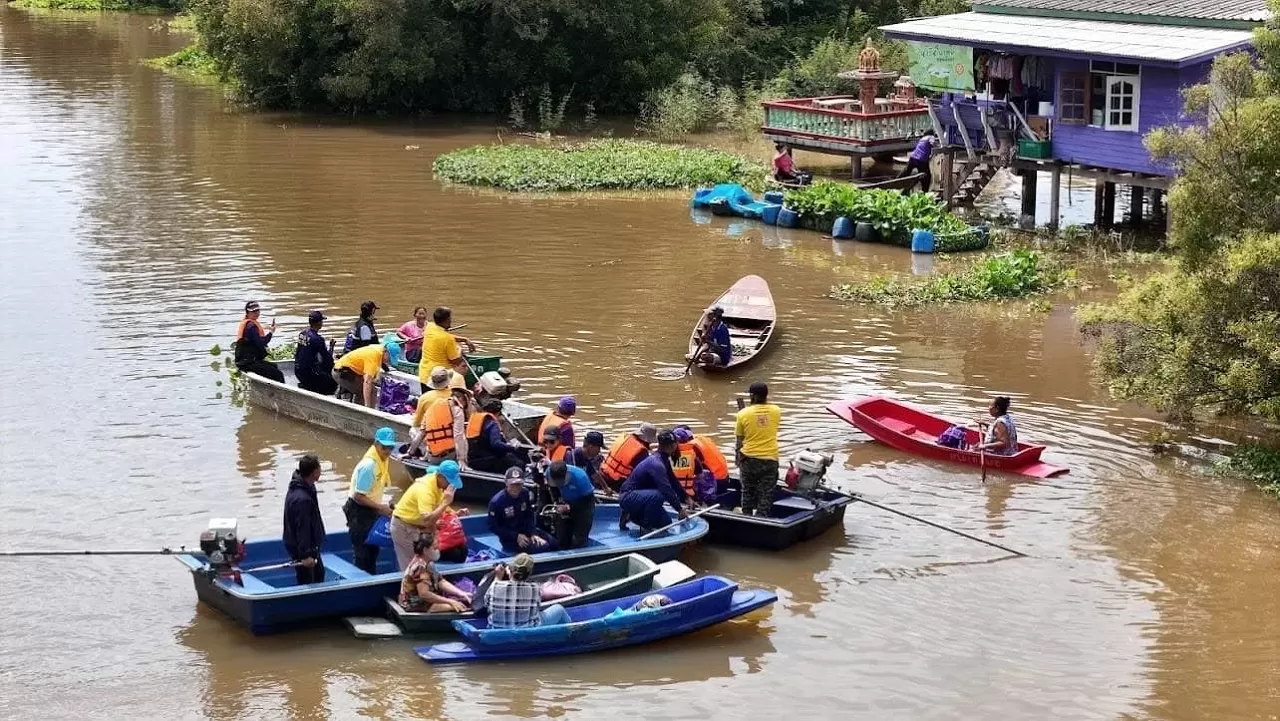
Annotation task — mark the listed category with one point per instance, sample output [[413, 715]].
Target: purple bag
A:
[[953, 437], [393, 395], [704, 488]]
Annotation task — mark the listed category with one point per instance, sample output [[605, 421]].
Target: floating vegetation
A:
[[1016, 274], [893, 214]]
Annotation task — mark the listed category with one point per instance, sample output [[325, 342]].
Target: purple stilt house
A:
[[1067, 85]]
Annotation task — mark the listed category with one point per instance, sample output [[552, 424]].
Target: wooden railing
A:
[[840, 119]]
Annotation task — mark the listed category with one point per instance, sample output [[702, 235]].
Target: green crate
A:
[[1038, 149], [481, 364]]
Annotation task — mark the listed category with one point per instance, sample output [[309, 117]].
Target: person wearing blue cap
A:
[[559, 422], [420, 509], [313, 359], [513, 517], [364, 503]]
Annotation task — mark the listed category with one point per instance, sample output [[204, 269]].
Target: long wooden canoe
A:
[[912, 430], [752, 319]]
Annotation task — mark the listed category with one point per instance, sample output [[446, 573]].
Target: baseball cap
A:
[[449, 469], [523, 562], [251, 306], [367, 306], [550, 433], [666, 438], [595, 438], [515, 476], [567, 405], [315, 316], [385, 436], [647, 432], [683, 434], [557, 474]]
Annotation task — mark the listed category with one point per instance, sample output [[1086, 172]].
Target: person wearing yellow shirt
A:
[[440, 347], [756, 449], [357, 372], [369, 480], [421, 507]]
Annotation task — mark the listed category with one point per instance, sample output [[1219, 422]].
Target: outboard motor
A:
[[222, 547], [807, 471]]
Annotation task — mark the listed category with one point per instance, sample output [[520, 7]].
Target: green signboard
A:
[[941, 67]]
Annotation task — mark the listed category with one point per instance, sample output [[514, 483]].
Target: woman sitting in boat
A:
[[1002, 436], [423, 589], [784, 167], [516, 602]]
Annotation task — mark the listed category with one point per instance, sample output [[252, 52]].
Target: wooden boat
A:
[[750, 314], [599, 581], [911, 430], [288, 399], [694, 605], [271, 600]]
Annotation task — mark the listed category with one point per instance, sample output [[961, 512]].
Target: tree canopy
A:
[[1205, 332]]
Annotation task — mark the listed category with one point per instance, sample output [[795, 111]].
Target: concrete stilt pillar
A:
[[1028, 219], [1055, 187]]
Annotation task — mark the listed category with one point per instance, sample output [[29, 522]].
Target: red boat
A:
[[914, 431]]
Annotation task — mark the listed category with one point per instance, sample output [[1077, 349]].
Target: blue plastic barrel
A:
[[921, 241], [842, 229], [787, 218], [773, 196], [769, 214]]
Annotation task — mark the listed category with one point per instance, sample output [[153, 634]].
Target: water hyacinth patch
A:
[[893, 214], [1008, 275], [596, 165]]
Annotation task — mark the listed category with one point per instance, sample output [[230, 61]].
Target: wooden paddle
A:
[[982, 453], [669, 526]]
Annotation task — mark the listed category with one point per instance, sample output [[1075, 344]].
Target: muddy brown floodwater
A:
[[138, 213]]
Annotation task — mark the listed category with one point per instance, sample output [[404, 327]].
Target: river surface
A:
[[138, 213]]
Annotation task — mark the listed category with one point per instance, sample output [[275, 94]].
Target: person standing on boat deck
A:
[[514, 519], [715, 335], [358, 372], [1002, 436], [650, 485], [578, 503], [516, 602], [410, 334], [756, 450], [313, 359], [590, 459], [444, 427], [370, 478], [487, 448], [626, 453], [440, 347], [420, 508], [436, 388], [250, 347], [559, 419], [362, 333], [918, 161], [303, 534]]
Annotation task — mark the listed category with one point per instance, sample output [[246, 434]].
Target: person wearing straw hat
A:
[[444, 426], [369, 480], [435, 388]]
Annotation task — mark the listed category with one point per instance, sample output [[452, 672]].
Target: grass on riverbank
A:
[[1016, 274], [1257, 464], [596, 165], [190, 62], [126, 6]]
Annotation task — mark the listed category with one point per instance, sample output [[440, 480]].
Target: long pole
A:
[[651, 534], [939, 526], [90, 552]]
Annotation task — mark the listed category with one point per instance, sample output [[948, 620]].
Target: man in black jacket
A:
[[303, 526]]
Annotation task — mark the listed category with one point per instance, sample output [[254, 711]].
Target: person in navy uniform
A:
[[313, 358], [513, 517]]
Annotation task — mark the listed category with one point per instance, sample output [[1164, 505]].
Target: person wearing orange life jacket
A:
[[626, 453], [250, 346], [553, 448], [687, 463], [436, 388], [712, 457], [444, 427], [487, 449], [559, 419]]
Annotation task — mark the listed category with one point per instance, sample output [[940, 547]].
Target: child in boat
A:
[[1002, 436], [423, 589]]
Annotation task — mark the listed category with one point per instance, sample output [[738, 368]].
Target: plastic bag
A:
[[380, 533], [449, 533], [953, 437], [562, 586]]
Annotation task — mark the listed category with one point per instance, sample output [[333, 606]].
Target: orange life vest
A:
[[712, 458], [437, 428], [475, 424], [622, 458], [244, 323], [559, 453], [685, 465], [552, 420]]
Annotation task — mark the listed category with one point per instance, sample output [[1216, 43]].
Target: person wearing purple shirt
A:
[[918, 161]]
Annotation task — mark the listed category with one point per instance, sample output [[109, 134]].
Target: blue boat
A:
[[695, 604], [730, 199], [271, 601]]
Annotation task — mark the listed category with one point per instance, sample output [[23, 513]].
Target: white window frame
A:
[[1110, 78]]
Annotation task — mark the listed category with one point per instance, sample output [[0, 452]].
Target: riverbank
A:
[[125, 6]]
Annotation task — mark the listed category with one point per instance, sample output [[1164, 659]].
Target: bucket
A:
[[865, 232], [773, 196], [769, 214], [842, 229], [921, 241], [787, 218], [1045, 110], [380, 534]]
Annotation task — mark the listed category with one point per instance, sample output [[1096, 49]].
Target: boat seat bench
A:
[[897, 426], [341, 567]]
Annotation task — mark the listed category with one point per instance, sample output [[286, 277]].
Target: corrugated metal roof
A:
[[1248, 10], [1159, 43]]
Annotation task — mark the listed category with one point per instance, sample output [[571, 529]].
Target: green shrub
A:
[[893, 214], [596, 165], [150, 7], [190, 60], [1258, 464], [999, 277]]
